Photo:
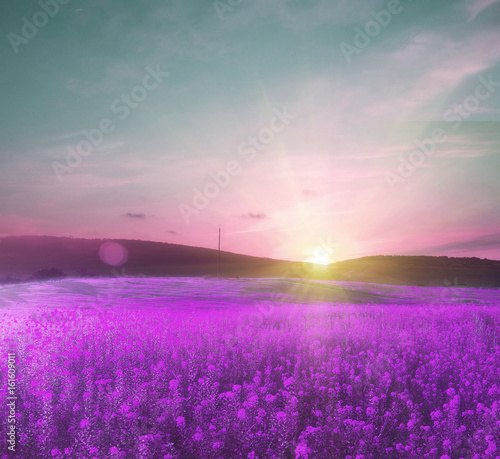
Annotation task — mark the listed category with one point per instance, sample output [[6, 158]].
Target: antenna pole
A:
[[218, 259]]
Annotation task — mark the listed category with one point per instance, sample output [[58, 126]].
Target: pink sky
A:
[[317, 156]]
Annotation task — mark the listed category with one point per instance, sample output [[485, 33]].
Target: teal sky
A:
[[316, 149]]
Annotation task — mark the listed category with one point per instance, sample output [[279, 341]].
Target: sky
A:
[[309, 130]]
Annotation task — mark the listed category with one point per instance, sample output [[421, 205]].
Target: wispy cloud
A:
[[475, 7], [135, 216], [487, 241], [253, 216]]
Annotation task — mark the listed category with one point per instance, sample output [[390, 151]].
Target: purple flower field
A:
[[295, 380]]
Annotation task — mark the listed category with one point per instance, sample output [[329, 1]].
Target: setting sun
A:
[[321, 256]]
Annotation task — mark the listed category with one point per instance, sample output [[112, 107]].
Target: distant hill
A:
[[23, 256], [419, 270]]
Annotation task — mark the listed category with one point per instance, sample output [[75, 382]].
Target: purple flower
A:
[[492, 446], [181, 422], [84, 423], [124, 408], [173, 384], [302, 450], [436, 415], [113, 450], [281, 416]]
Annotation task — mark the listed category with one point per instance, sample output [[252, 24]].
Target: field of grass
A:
[[206, 369]]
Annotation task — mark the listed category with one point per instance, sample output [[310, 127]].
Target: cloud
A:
[[172, 232], [476, 7], [434, 67], [253, 216], [488, 241], [132, 215]]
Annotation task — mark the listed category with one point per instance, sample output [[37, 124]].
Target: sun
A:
[[320, 257], [322, 262]]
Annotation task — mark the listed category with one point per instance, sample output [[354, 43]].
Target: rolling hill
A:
[[22, 256]]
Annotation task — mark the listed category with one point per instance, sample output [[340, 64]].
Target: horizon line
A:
[[237, 253]]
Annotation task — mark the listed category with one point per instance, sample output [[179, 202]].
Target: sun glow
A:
[[319, 262], [321, 256]]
